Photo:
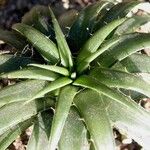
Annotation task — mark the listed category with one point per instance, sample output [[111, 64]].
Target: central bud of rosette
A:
[[73, 75]]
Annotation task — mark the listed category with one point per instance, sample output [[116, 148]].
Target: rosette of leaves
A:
[[78, 90]]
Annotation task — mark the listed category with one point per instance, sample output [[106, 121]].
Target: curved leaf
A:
[[10, 135], [95, 85], [129, 44], [10, 62], [21, 91], [129, 121], [119, 79], [136, 96], [96, 40], [63, 48], [42, 43], [91, 83], [60, 82], [135, 63], [61, 112], [85, 63], [39, 137], [21, 112], [74, 135], [13, 39], [52, 68], [119, 10], [132, 24], [35, 18], [96, 118], [31, 73], [84, 24], [124, 102]]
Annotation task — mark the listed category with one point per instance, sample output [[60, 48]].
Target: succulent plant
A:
[[76, 88]]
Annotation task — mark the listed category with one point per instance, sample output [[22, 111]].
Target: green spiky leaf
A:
[[10, 62], [63, 48], [22, 113], [87, 83], [131, 122], [119, 79], [11, 134], [18, 92], [42, 43], [74, 135], [119, 10], [84, 24], [96, 40], [56, 69], [13, 39], [132, 24], [40, 133], [127, 45], [52, 86], [62, 110], [31, 73], [134, 64], [94, 111]]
